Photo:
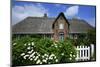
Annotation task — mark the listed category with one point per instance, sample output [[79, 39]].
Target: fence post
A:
[[92, 50], [83, 51], [89, 53]]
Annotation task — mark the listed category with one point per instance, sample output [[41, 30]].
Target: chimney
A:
[[45, 15]]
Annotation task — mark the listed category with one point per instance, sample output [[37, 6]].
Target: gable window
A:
[[61, 26], [61, 36]]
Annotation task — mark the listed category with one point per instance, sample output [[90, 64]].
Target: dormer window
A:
[[61, 26]]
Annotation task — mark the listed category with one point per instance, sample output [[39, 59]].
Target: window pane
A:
[[61, 36], [61, 26]]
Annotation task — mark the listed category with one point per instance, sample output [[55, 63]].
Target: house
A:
[[56, 28]]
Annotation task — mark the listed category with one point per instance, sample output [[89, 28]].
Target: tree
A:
[[92, 36], [86, 38]]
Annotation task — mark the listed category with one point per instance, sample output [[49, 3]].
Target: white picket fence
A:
[[84, 52]]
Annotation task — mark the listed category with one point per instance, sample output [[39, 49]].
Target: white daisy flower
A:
[[29, 44], [24, 44], [33, 56], [56, 46], [70, 55], [28, 48], [14, 43], [32, 43], [70, 58], [36, 58], [38, 54], [55, 57], [62, 54], [26, 56], [30, 51], [22, 54], [56, 60], [71, 52], [44, 60], [47, 55], [38, 61], [31, 59], [43, 56], [73, 55], [52, 55]]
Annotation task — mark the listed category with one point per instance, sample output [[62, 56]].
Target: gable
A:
[[61, 19]]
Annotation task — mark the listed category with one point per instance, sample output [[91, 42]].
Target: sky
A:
[[21, 10]]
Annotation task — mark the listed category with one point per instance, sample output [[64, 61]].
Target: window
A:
[[61, 36], [61, 26], [75, 36]]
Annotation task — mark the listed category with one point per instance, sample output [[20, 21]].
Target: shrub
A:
[[69, 51], [28, 50]]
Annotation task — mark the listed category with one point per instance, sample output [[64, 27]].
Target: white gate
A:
[[83, 53]]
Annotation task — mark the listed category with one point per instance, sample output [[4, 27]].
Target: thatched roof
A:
[[32, 25], [79, 26], [41, 25]]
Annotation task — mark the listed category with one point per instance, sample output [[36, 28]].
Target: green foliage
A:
[[81, 40], [46, 51], [92, 36], [86, 38], [68, 50]]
